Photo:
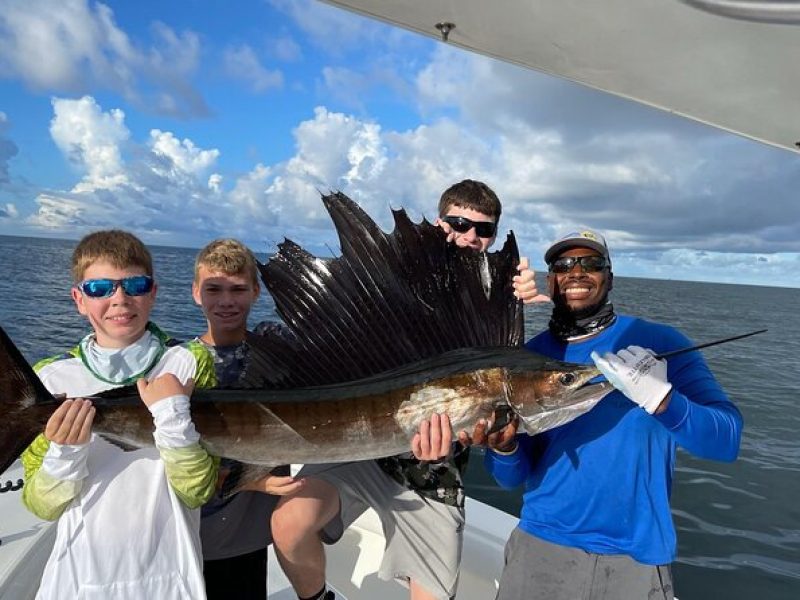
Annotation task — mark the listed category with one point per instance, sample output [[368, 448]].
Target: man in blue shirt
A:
[[596, 521]]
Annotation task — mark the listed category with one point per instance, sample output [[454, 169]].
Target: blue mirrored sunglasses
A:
[[138, 285]]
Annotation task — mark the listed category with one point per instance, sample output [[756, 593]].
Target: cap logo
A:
[[588, 235]]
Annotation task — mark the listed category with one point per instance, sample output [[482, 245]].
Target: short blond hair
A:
[[227, 256], [121, 249]]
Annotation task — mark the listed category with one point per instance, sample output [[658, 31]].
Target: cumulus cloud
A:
[[571, 154], [329, 27], [160, 185], [72, 46], [91, 140], [285, 48], [242, 63], [557, 155], [8, 149], [8, 211]]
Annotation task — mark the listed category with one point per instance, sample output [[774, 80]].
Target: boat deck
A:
[[26, 541]]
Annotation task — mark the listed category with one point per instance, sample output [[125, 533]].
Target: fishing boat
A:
[[720, 62]]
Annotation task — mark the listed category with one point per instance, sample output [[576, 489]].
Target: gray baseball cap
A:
[[584, 238]]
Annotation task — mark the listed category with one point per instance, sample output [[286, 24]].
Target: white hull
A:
[[352, 563]]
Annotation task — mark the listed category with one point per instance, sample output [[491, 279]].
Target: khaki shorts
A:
[[538, 570], [423, 537]]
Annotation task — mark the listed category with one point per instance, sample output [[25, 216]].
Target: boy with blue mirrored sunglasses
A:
[[91, 486]]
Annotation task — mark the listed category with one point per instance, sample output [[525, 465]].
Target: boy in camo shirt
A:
[[235, 531], [419, 496]]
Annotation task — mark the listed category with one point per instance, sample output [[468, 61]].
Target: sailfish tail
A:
[[25, 403]]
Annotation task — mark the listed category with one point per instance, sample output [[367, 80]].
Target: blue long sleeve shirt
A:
[[602, 482]]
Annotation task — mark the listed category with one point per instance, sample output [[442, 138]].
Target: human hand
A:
[[503, 441], [638, 374], [71, 422], [525, 284], [277, 485], [434, 439], [161, 387], [451, 235]]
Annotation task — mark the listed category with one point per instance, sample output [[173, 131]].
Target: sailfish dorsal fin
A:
[[390, 299]]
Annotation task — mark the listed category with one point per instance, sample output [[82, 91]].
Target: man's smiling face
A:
[[581, 292]]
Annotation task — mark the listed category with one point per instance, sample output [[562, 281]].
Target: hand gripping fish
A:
[[399, 327]]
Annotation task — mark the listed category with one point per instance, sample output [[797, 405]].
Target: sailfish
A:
[[400, 326]]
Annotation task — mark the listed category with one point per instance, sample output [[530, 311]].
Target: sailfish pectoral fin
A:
[[281, 429], [241, 474]]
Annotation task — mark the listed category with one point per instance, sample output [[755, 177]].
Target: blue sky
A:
[[187, 121]]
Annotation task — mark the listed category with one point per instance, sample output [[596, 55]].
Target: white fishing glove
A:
[[636, 373]]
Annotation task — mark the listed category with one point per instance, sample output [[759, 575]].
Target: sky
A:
[[188, 121]]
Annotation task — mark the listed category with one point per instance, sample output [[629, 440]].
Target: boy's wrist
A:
[[66, 461], [173, 421]]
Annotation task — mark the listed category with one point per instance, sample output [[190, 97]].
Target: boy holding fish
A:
[[419, 495], [127, 521], [235, 531]]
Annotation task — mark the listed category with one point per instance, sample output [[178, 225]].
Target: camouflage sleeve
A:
[[44, 495], [205, 376], [191, 472]]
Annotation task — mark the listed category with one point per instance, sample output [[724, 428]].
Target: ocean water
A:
[[738, 524]]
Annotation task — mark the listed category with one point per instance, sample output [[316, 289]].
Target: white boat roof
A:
[[732, 68]]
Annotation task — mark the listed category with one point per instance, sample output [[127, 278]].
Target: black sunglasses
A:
[[589, 264], [484, 229]]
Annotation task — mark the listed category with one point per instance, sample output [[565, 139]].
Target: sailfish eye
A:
[[567, 379]]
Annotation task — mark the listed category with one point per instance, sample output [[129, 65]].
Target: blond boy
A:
[[235, 532], [127, 521]]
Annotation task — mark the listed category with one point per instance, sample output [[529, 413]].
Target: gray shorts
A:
[[536, 569], [423, 537]]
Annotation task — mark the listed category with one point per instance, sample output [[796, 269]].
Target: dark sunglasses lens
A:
[[459, 224], [593, 264], [137, 286], [484, 229], [97, 288], [562, 265]]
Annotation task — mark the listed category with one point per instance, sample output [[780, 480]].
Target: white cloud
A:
[[91, 140], [334, 29], [775, 269], [8, 149], [183, 154], [158, 186], [285, 48], [70, 46], [242, 63], [637, 186]]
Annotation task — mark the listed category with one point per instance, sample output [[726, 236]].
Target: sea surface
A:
[[738, 524]]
